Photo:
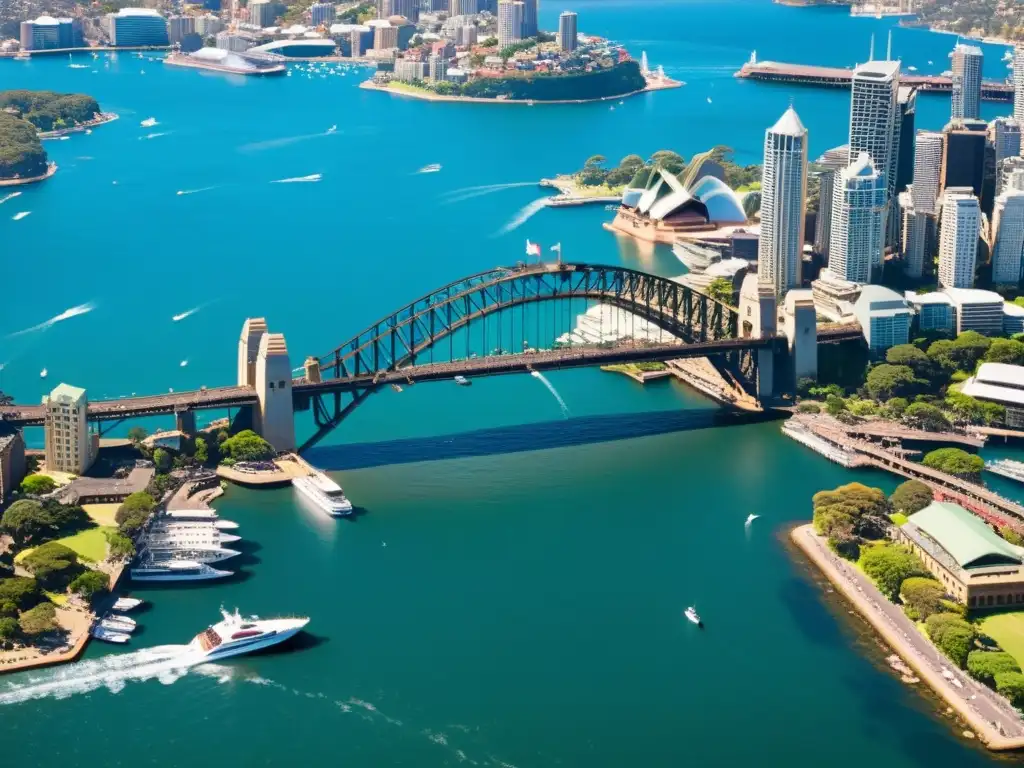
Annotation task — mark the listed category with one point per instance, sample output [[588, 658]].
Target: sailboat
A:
[[43, 373]]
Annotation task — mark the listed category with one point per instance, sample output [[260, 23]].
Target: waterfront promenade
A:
[[989, 715]]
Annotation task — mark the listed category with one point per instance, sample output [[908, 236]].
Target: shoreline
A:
[[808, 543], [102, 119], [425, 95], [51, 169]]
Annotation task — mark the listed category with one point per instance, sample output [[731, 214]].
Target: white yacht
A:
[[117, 626], [324, 492], [176, 570], [192, 530], [126, 620], [207, 515], [693, 616], [126, 603], [109, 635], [1014, 470], [236, 634], [174, 552]]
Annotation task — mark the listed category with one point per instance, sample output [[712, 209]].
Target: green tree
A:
[[894, 408], [38, 485], [137, 435], [90, 584], [1008, 351], [911, 496], [1011, 535], [961, 353], [202, 453], [720, 289], [849, 514], [1011, 685], [42, 618], [670, 161], [922, 596], [954, 461], [21, 591], [53, 565], [134, 511], [885, 381], [835, 405], [925, 416], [964, 409], [985, 665], [861, 407], [489, 42], [120, 547], [247, 446], [889, 565], [952, 635], [8, 609], [162, 460], [912, 357], [25, 520], [8, 628]]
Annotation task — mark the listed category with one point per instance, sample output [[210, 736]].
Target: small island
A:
[[26, 117]]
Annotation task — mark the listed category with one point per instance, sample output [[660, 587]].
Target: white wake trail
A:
[[468, 193], [11, 196], [166, 663], [259, 146], [313, 177], [525, 214], [195, 191], [551, 388], [67, 314]]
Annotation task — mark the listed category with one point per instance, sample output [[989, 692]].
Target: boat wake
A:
[[166, 663], [468, 193], [259, 146], [156, 135], [432, 168], [11, 196], [551, 388], [313, 177], [187, 313], [195, 191], [67, 314], [524, 215], [20, 215]]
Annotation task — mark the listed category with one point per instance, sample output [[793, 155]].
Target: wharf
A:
[[992, 718], [838, 77], [288, 467]]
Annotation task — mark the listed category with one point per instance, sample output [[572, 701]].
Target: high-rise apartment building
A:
[[137, 27], [408, 9], [906, 116], [966, 101], [1008, 238], [1011, 175], [208, 24], [530, 23], [463, 7], [178, 27], [783, 201], [567, 31], [321, 13], [917, 232], [437, 68], [929, 149], [1004, 136], [963, 157], [823, 220], [262, 13], [958, 237], [46, 33], [1018, 84], [858, 208], [69, 446], [384, 37], [510, 22]]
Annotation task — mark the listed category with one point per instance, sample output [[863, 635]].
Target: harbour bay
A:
[[527, 607]]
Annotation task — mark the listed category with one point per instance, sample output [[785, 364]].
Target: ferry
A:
[[110, 635], [693, 616], [237, 634], [1014, 470], [176, 570], [324, 492]]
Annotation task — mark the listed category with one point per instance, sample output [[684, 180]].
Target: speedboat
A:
[[237, 634], [462, 381], [1014, 470], [693, 616], [126, 603], [176, 570], [149, 122], [432, 168], [751, 518], [117, 626], [126, 620], [109, 636], [324, 492]]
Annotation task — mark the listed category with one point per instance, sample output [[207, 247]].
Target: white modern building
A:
[[783, 202], [208, 25], [884, 317], [178, 27], [137, 27], [437, 68], [567, 31], [960, 227], [1004, 135], [410, 70], [928, 150], [510, 22], [69, 446], [1010, 175], [874, 120], [1008, 238], [977, 310], [834, 297], [917, 233], [935, 311], [1000, 383], [966, 66], [47, 33], [1018, 84], [858, 210]]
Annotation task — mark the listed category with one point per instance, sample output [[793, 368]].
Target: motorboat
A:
[[751, 518], [1014, 470], [693, 616], [432, 168], [236, 634], [126, 620], [149, 122], [127, 603], [109, 635], [324, 492], [176, 570], [117, 626], [462, 381]]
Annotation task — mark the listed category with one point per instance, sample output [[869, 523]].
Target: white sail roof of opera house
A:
[[668, 194], [723, 204]]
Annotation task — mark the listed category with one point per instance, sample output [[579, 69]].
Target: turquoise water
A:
[[526, 609]]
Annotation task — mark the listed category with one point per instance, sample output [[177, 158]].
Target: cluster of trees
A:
[[53, 565], [911, 496], [616, 80], [33, 522], [358, 14], [889, 565], [20, 612], [954, 461], [47, 110], [21, 153], [133, 512], [849, 516], [953, 635], [979, 18], [594, 173], [246, 446]]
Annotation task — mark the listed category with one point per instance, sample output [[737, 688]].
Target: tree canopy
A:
[[21, 591], [850, 514], [1010, 351], [44, 109], [925, 416], [922, 596], [954, 461], [961, 353], [985, 665], [952, 635], [24, 520], [1011, 685], [38, 485], [911, 496], [42, 618], [53, 565], [247, 446], [886, 380], [90, 584], [21, 153], [889, 565], [720, 289], [134, 511]]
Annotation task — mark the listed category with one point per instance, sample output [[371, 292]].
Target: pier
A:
[[838, 77]]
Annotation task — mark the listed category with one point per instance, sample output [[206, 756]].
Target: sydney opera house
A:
[[696, 203]]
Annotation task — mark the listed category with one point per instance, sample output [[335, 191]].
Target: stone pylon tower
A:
[[253, 330], [274, 389]]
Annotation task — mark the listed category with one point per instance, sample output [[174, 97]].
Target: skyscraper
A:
[[966, 101], [463, 8], [510, 22], [408, 9], [567, 31], [530, 28], [178, 27], [963, 157], [1008, 236], [903, 157], [69, 446], [958, 239], [321, 13], [1018, 84], [858, 206], [783, 201], [917, 231], [928, 154], [875, 120], [1004, 135]]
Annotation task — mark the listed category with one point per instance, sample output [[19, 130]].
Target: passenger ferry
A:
[[236, 634], [197, 515], [324, 492], [176, 570], [1014, 470]]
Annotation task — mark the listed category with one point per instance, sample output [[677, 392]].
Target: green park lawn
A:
[[1007, 629], [90, 544]]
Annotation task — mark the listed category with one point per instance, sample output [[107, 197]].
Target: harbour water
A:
[[512, 592]]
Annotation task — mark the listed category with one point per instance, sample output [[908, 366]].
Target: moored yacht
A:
[[126, 603], [1014, 470], [176, 570], [323, 492], [110, 635], [163, 552], [236, 634]]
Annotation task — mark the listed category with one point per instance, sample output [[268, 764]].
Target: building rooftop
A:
[[1001, 373], [877, 70], [968, 539], [789, 124], [878, 297], [934, 297], [65, 393], [139, 12], [973, 296]]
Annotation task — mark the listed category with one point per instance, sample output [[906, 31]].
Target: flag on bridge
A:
[[532, 249]]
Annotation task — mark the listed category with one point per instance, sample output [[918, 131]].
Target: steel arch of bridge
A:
[[397, 340], [393, 343]]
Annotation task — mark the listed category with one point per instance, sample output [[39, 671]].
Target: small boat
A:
[[912, 69], [396, 387], [43, 373], [126, 620], [237, 634], [117, 626], [432, 168], [109, 635], [751, 518], [1014, 470], [149, 122], [462, 381], [183, 363], [693, 616], [709, 99], [332, 129], [126, 603]]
